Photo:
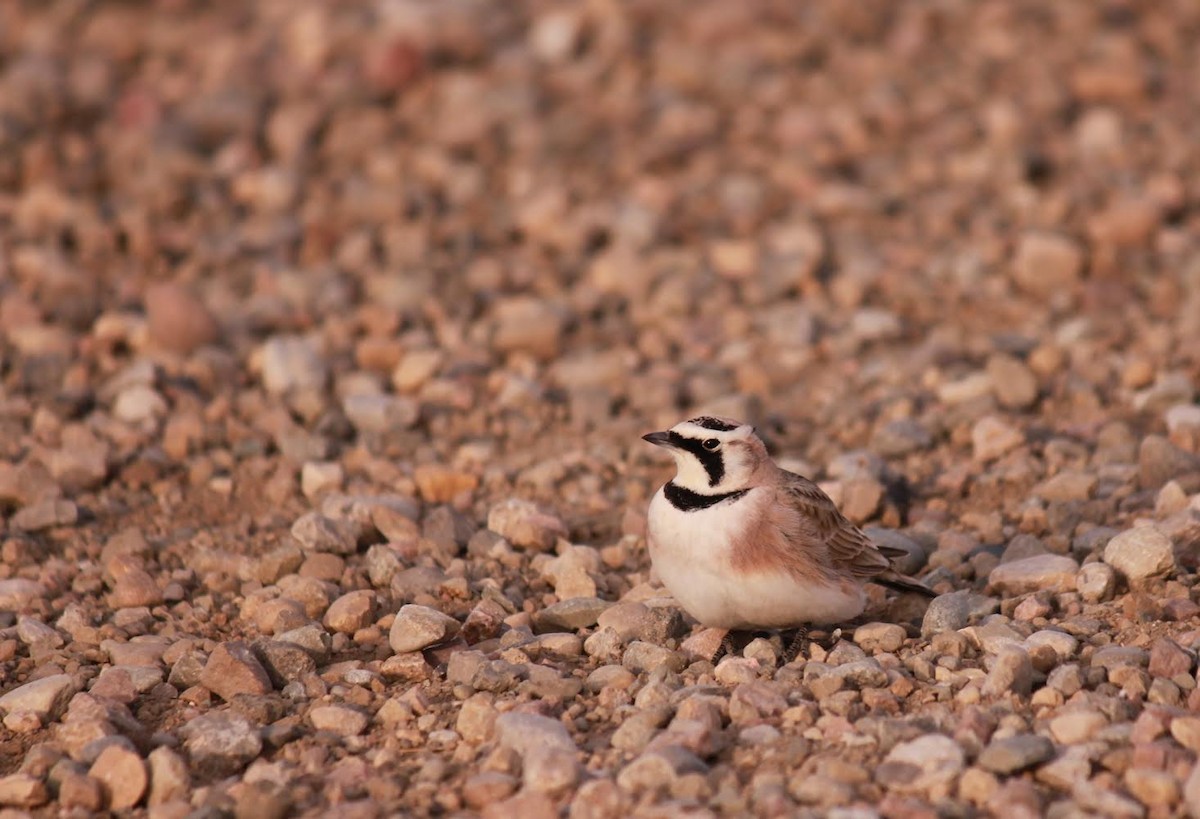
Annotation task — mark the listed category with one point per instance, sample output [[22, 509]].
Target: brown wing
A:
[[820, 522]]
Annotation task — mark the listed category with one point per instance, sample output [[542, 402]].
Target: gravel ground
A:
[[328, 333]]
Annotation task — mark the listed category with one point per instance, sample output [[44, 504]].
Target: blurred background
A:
[[474, 232]]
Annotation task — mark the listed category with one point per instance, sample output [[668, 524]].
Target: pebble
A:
[[1017, 753], [135, 588], [177, 320], [339, 719], [947, 612], [20, 790], [233, 669], [350, 612], [1013, 382], [1186, 731], [929, 763], [1010, 672], [1045, 264], [43, 515], [477, 717], [1159, 461], [418, 627], [317, 533], [380, 414], [570, 615], [523, 525], [1169, 659], [1077, 726], [46, 697], [221, 741], [643, 657], [169, 778], [1068, 485], [123, 774], [1045, 572], [570, 572], [292, 363], [992, 438], [1096, 582], [547, 750], [634, 620], [321, 477], [139, 404], [441, 484], [19, 595], [1141, 554], [900, 437]]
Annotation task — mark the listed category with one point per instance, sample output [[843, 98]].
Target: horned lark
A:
[[745, 545]]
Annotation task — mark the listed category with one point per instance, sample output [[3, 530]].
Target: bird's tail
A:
[[900, 583]]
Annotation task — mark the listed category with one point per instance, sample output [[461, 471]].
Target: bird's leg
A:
[[798, 645], [726, 647]]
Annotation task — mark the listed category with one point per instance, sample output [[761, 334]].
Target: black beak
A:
[[658, 438]]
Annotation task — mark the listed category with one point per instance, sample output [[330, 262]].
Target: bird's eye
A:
[[711, 444]]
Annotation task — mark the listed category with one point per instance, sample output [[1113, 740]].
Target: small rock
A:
[[319, 477], [549, 755], [380, 414], [901, 436], [643, 657], [1075, 727], [1169, 659], [123, 774], [1186, 731], [523, 525], [442, 484], [1141, 554], [1159, 461], [139, 403], [887, 637], [177, 320], [570, 615], [1068, 485], [76, 790], [317, 533], [1045, 264], [992, 437], [339, 719], [292, 363], [169, 779], [1016, 753], [1011, 672], [949, 612], [233, 669], [527, 324], [418, 627], [350, 612], [1153, 788], [20, 790], [221, 741], [1046, 572], [1096, 582], [19, 595], [135, 588], [45, 514], [46, 697], [1013, 382], [635, 620], [929, 762]]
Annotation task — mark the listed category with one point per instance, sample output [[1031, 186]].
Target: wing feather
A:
[[847, 548]]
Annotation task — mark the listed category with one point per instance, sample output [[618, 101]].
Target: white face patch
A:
[[711, 460]]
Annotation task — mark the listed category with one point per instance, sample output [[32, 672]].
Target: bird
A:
[[745, 545]]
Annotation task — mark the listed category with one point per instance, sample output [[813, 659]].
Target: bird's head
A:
[[713, 455]]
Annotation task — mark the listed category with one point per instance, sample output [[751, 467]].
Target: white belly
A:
[[690, 552]]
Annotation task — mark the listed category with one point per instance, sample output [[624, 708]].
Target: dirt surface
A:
[[328, 333]]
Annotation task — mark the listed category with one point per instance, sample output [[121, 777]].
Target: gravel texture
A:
[[328, 333]]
